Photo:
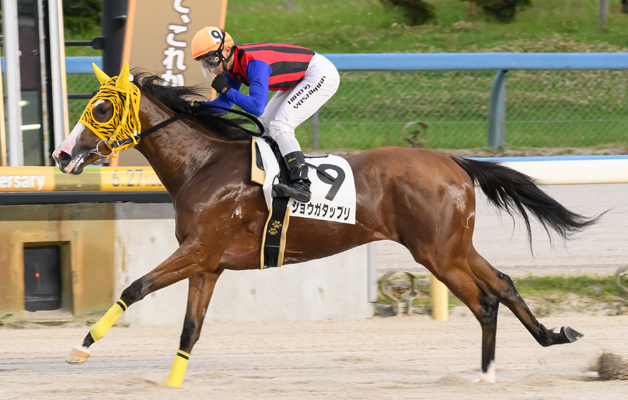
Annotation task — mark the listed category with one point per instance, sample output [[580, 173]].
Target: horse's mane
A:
[[178, 98]]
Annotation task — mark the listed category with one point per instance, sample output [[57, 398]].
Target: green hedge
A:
[[81, 15], [501, 10], [417, 12]]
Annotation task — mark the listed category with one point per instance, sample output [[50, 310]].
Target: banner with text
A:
[[48, 179], [157, 39], [159, 34]]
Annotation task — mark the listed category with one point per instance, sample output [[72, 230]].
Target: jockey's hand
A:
[[194, 106], [220, 84]]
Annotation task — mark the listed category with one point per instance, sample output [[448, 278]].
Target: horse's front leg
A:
[[187, 261], [199, 294]]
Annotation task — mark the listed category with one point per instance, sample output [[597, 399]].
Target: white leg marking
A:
[[79, 354], [489, 376]]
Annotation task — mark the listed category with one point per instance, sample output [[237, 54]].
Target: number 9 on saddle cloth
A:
[[333, 194]]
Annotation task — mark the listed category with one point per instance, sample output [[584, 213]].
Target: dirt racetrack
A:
[[379, 358]]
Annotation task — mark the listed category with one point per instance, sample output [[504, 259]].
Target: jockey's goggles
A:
[[211, 59]]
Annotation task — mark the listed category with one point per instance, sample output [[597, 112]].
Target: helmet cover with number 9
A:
[[209, 39], [207, 46]]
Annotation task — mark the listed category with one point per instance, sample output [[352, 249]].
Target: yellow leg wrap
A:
[[99, 330], [179, 365]]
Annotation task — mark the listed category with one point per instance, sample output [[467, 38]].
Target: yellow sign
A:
[[26, 179], [129, 178]]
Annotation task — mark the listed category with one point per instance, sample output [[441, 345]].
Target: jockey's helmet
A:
[[207, 47], [210, 39]]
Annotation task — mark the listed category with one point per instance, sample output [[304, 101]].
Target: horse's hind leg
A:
[[199, 294], [183, 263], [447, 259], [484, 306], [450, 265], [502, 286]]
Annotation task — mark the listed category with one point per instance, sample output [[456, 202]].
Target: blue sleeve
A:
[[222, 100], [258, 73]]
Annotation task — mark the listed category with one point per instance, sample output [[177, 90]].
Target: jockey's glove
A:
[[195, 105], [220, 84]]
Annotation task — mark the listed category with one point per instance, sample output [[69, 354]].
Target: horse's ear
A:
[[123, 79], [102, 77]]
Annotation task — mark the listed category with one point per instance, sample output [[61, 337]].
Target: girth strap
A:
[[274, 236]]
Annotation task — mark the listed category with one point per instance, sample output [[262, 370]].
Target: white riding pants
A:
[[288, 109]]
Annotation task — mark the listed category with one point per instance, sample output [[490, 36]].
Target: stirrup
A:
[[283, 190]]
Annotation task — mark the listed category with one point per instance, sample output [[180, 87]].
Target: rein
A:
[[125, 98], [122, 142], [182, 115]]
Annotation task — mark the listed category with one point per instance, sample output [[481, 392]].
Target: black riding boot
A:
[[299, 187]]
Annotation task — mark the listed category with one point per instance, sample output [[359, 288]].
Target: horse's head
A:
[[109, 123]]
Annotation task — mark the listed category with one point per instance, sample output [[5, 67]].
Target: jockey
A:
[[303, 79]]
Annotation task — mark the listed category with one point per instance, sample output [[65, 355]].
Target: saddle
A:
[[258, 173], [333, 195]]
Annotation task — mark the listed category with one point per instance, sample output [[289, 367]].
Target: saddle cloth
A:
[[333, 185]]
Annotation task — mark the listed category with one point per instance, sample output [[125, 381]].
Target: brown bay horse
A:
[[424, 200]]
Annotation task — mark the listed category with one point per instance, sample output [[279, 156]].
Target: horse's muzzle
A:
[[69, 165]]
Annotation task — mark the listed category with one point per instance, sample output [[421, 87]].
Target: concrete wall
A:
[[105, 247], [330, 288], [85, 235]]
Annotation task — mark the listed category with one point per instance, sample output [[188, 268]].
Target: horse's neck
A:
[[178, 151]]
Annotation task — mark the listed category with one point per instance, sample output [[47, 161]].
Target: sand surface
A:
[[378, 358]]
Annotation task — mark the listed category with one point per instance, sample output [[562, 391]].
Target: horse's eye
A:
[[101, 110]]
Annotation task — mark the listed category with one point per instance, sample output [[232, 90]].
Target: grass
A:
[[363, 26], [593, 287], [544, 108], [546, 292], [82, 51], [4, 317]]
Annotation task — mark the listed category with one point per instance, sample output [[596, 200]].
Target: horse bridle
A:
[[197, 110]]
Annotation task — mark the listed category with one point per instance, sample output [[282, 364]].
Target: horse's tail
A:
[[515, 192]]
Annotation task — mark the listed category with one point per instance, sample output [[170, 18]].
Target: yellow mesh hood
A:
[[124, 123]]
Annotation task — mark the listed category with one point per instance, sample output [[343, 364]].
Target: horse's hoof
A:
[[571, 334], [79, 354]]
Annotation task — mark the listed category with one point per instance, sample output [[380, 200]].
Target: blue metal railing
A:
[[501, 62], [81, 65], [441, 62]]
